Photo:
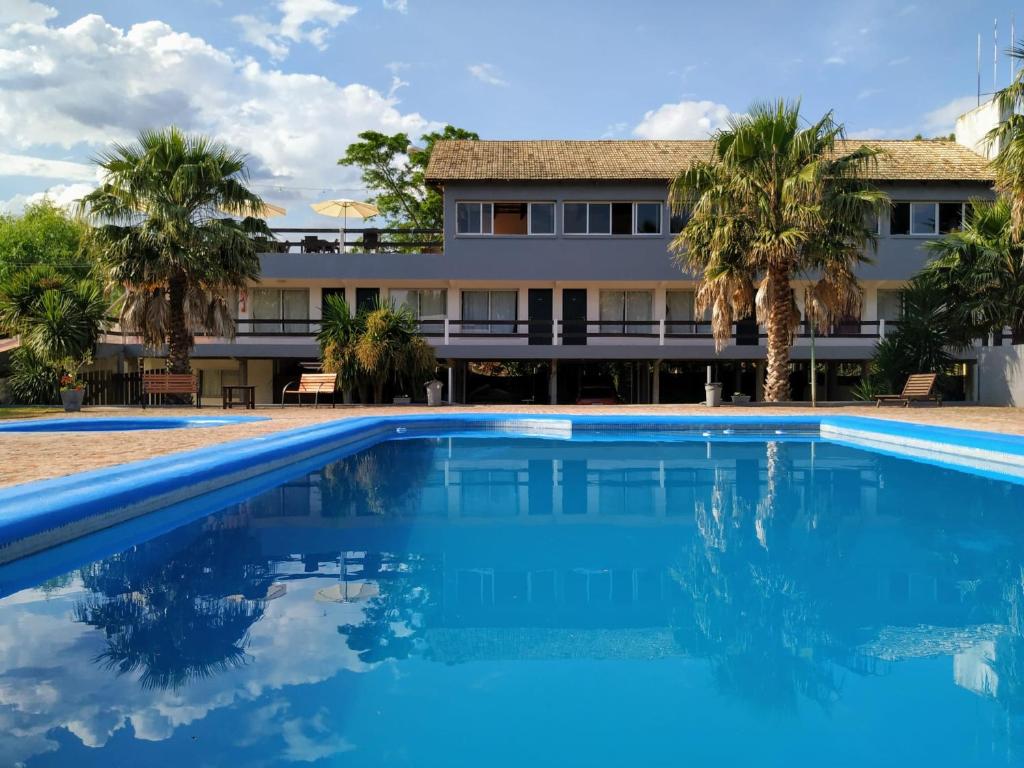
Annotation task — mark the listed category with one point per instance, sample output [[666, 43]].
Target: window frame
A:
[[935, 219], [611, 224], [480, 204], [529, 218], [419, 301], [936, 205], [476, 325]]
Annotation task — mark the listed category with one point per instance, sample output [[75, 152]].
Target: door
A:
[[366, 298], [747, 332], [574, 316], [540, 300]]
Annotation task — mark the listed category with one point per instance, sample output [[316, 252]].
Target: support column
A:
[[656, 384], [553, 383]]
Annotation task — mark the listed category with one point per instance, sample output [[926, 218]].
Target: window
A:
[[890, 304], [678, 221], [505, 218], [923, 219], [622, 219], [679, 308], [511, 218], [425, 303], [648, 218], [574, 218], [481, 308], [269, 304], [951, 217], [626, 307], [542, 218], [473, 218]]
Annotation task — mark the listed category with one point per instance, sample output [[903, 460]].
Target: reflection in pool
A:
[[467, 602]]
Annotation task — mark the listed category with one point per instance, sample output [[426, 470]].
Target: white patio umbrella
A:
[[264, 211], [342, 208]]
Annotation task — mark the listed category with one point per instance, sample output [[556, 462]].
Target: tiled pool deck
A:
[[26, 456]]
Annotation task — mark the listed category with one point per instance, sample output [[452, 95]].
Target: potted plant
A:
[[740, 399], [72, 391]]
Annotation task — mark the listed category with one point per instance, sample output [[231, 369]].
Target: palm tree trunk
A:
[[780, 307], [179, 340]]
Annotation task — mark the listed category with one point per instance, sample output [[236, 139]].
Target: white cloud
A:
[[62, 195], [867, 93], [25, 11], [26, 165], [613, 130], [898, 61], [684, 120], [835, 60], [84, 85], [402, 6], [301, 20], [487, 73], [943, 119]]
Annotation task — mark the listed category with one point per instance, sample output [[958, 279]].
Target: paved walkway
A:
[[25, 457]]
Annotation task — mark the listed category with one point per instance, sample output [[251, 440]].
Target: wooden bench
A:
[[170, 384], [311, 384], [919, 386]]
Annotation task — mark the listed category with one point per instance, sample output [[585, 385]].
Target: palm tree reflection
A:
[[178, 608]]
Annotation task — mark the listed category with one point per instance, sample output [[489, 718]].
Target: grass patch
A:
[[28, 411]]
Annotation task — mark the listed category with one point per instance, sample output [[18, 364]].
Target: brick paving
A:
[[25, 457]]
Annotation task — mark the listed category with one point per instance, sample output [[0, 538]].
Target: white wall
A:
[[972, 128], [1001, 375]]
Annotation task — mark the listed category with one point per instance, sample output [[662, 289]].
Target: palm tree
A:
[[166, 240], [58, 317], [1009, 136], [981, 268], [391, 346], [339, 332], [774, 202]]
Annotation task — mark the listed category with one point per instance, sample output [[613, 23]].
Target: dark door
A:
[[747, 332], [366, 298], [330, 292], [540, 315], [574, 316]]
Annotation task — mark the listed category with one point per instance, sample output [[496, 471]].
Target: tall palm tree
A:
[[981, 270], [165, 240], [339, 332], [774, 202], [391, 347], [1009, 137]]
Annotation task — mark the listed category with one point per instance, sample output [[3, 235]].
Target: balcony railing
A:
[[311, 240]]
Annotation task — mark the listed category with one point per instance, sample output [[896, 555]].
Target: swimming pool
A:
[[122, 423], [595, 597]]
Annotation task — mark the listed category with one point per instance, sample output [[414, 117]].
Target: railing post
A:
[[881, 327], [661, 332], [554, 333], [446, 334]]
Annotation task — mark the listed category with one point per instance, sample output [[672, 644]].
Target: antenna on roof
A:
[[995, 55], [979, 69]]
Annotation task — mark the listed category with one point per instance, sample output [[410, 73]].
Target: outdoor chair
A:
[[919, 386], [311, 384]]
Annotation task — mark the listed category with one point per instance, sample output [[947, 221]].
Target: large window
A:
[[890, 304], [279, 304], [505, 218], [427, 304], [473, 218], [925, 218], [489, 311], [620, 309], [679, 308], [612, 218]]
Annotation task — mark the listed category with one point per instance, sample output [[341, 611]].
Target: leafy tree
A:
[[164, 238], [394, 170], [776, 201], [42, 234], [391, 347], [981, 270], [339, 333]]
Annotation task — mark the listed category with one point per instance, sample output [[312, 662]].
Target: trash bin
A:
[[713, 394], [434, 392]]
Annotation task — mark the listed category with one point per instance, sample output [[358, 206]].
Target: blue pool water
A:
[[475, 601], [123, 423]]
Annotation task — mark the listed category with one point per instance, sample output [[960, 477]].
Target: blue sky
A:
[[293, 81]]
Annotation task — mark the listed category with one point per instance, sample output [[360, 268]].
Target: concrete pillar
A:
[[656, 383], [553, 383], [243, 371]]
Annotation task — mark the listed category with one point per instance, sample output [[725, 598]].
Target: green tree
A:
[[776, 201], [164, 239], [394, 171], [58, 318], [981, 270], [391, 347], [339, 333], [42, 234]]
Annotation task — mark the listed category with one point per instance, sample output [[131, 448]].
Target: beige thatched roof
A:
[[637, 160]]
